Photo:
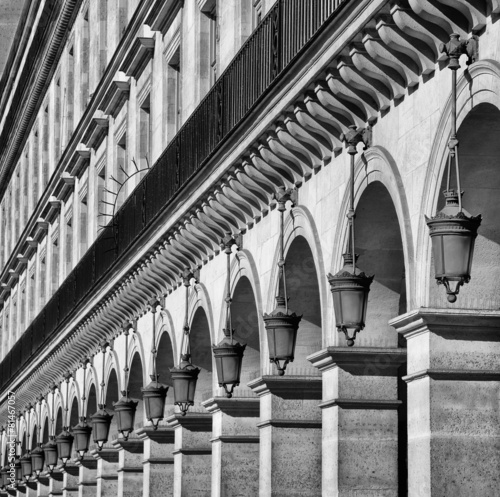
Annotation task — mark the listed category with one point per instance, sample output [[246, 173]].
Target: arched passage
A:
[[45, 432], [201, 355], [165, 359], [303, 291], [59, 421], [135, 384], [479, 152], [112, 396], [91, 406], [379, 245], [245, 322]]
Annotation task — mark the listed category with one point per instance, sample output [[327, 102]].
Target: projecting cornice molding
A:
[[78, 162], [138, 56], [115, 97], [162, 14], [64, 187], [96, 132], [353, 89]]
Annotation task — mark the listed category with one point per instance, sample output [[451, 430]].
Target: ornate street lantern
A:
[[82, 430], [185, 375], [453, 230], [25, 460], [19, 471], [154, 393], [125, 407], [64, 440], [101, 419], [228, 353], [282, 324], [50, 448], [350, 286], [37, 455], [4, 477]]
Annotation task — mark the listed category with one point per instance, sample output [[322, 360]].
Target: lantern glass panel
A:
[[154, 401], [50, 452], [281, 341], [82, 433], [101, 422], [64, 443], [26, 468], [37, 460]]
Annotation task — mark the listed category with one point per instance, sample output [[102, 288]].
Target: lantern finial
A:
[[453, 230]]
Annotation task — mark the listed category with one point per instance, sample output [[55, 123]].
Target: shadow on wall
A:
[[479, 155]]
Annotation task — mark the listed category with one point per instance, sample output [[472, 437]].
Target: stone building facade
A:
[[136, 134]]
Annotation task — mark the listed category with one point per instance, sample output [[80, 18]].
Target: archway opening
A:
[[59, 421], [379, 245], [165, 359], [73, 414], [479, 153], [245, 322], [45, 432], [135, 383], [303, 291], [201, 355], [91, 406], [112, 396]]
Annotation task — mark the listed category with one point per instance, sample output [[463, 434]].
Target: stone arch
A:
[[304, 268], [479, 85], [112, 395], [92, 400], [200, 319], [167, 355], [246, 314], [135, 382]]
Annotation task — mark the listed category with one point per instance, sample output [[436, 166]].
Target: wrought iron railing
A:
[[269, 51]]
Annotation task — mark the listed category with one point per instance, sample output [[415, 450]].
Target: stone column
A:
[[453, 401], [158, 464], [87, 484], [42, 486], [70, 480], [130, 458], [360, 420], [235, 446], [290, 435], [55, 483], [192, 454], [107, 472]]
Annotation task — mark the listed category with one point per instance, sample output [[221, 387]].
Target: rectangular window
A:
[[122, 17], [26, 175], [84, 88], [83, 226], [212, 15], [121, 164], [101, 197], [22, 309], [173, 95], [257, 12], [55, 267], [35, 168], [31, 294], [70, 96], [69, 247], [57, 121], [144, 136], [17, 205], [43, 280], [45, 148], [103, 42]]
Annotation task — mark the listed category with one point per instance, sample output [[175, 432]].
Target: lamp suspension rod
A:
[[281, 262], [104, 344], [28, 429], [351, 214], [84, 365], [67, 377], [126, 368], [454, 139], [154, 350], [185, 336], [228, 295], [53, 390]]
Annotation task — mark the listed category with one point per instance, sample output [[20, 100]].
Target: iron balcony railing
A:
[[268, 52]]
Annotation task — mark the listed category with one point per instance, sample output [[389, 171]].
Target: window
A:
[[122, 17], [22, 309], [214, 38], [31, 293], [103, 43], [257, 12], [54, 280], [122, 166], [45, 147], [70, 97], [85, 61], [17, 205], [69, 246], [57, 120], [173, 92], [101, 196], [35, 169], [43, 276], [26, 175], [83, 226], [144, 135]]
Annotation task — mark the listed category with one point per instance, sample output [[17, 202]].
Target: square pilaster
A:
[[130, 458], [107, 472], [235, 445], [453, 390], [192, 453], [360, 404], [290, 435], [158, 463]]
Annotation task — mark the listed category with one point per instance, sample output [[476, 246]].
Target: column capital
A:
[[194, 421], [288, 387], [238, 407], [132, 445], [107, 454], [162, 435], [368, 361], [454, 323]]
